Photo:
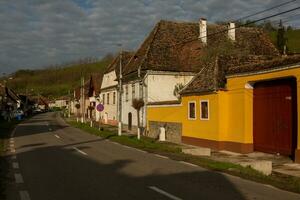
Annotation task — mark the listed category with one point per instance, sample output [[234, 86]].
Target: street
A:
[[56, 162]]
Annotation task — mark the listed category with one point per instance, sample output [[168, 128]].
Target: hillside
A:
[[55, 81], [293, 37]]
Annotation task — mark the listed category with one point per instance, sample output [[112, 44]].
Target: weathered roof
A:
[[175, 46], [95, 83], [213, 77], [264, 65]]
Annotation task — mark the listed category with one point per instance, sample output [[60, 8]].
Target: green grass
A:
[[174, 152]]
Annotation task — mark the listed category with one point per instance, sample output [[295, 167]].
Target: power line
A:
[[239, 26], [266, 10]]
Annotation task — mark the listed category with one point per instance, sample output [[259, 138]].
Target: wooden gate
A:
[[275, 114]]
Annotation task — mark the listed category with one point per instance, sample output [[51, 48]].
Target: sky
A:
[[39, 33]]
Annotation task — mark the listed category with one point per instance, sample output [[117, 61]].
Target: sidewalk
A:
[[275, 163]]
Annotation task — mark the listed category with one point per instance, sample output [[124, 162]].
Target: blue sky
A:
[[38, 33]]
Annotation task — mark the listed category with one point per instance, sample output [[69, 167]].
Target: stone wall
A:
[[173, 130]]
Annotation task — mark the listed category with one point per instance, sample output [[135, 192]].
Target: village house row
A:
[[226, 90]]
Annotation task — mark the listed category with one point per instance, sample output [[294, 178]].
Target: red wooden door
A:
[[273, 116]]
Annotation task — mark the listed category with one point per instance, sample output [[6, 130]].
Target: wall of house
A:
[[161, 86], [109, 114], [127, 104], [109, 86], [244, 99], [109, 79]]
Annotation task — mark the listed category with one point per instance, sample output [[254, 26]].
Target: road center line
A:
[[24, 195], [57, 136], [160, 156], [80, 151], [164, 193], [187, 163], [15, 165], [19, 178]]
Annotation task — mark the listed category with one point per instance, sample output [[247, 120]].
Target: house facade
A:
[[157, 68], [109, 95], [240, 104]]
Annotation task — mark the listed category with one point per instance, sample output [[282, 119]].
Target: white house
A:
[[166, 60], [109, 90]]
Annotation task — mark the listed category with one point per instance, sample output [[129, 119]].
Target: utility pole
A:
[[120, 96], [82, 99]]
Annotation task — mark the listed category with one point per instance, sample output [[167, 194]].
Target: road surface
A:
[[52, 161]]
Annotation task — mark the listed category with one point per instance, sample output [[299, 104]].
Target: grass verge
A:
[[174, 152]]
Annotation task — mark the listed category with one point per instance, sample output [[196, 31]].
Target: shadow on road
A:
[[59, 172]]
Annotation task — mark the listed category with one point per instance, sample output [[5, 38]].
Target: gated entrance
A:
[[275, 116]]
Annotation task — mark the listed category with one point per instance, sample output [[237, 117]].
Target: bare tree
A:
[[137, 104]]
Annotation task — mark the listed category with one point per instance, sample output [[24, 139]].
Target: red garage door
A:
[[274, 112]]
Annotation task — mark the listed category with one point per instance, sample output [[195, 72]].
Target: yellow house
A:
[[246, 108]]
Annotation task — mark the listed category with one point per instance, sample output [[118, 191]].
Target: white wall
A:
[[110, 108], [161, 86], [109, 86], [109, 80]]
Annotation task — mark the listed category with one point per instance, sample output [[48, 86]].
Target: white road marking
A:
[[57, 136], [142, 151], [187, 163], [24, 195], [160, 156], [11, 141], [19, 178], [12, 150], [156, 189], [15, 165], [11, 146], [80, 151]]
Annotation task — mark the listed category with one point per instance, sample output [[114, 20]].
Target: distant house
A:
[[93, 94], [109, 90]]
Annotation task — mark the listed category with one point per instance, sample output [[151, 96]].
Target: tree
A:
[[137, 104], [281, 39]]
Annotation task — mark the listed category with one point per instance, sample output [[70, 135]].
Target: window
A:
[[107, 98], [133, 91], [192, 110], [114, 98], [103, 99], [126, 92], [204, 110]]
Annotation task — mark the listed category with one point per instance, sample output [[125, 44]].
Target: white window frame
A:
[[195, 110], [208, 110]]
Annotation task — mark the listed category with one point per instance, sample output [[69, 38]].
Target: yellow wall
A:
[[231, 111]]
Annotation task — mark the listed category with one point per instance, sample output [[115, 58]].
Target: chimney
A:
[[203, 31], [231, 31]]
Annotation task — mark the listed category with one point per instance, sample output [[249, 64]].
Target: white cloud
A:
[[37, 33]]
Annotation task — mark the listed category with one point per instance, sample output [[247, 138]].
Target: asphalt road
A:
[[56, 162]]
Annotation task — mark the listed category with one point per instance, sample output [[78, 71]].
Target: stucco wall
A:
[[109, 79], [161, 86]]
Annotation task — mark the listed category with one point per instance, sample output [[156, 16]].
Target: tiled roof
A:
[[213, 77], [174, 46], [95, 83]]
